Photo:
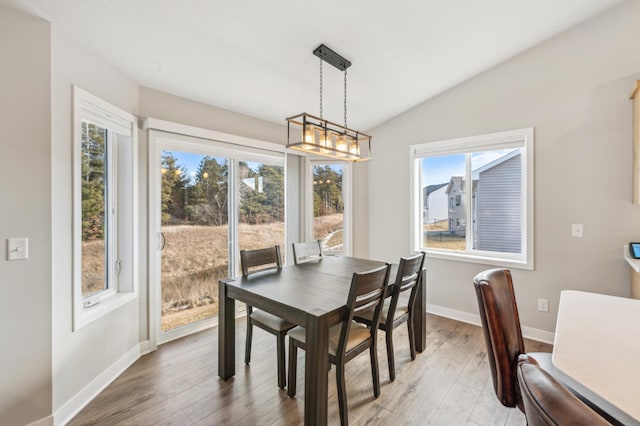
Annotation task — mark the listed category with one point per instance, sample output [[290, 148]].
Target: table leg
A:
[[420, 316], [316, 373], [226, 333]]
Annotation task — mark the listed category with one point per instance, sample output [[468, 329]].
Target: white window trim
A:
[[494, 141], [88, 106], [347, 194]]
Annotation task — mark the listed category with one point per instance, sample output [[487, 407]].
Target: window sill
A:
[[84, 316], [481, 259]]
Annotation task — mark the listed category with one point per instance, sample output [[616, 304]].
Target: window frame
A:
[[517, 138], [121, 239]]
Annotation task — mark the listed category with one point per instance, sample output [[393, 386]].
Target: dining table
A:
[[596, 351], [312, 295]]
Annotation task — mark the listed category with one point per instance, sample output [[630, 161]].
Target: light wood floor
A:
[[448, 384]]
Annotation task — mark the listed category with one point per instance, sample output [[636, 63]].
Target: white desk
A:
[[597, 351]]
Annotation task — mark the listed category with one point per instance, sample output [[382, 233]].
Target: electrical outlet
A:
[[577, 230], [543, 305]]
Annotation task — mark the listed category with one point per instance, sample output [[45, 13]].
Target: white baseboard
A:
[[73, 406], [528, 332]]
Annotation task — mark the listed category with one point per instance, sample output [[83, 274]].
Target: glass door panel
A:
[[261, 206], [328, 207], [195, 234]]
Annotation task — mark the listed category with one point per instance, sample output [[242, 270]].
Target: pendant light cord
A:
[[345, 98], [321, 88]]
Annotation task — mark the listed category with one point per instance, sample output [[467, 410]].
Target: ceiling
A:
[[255, 56]]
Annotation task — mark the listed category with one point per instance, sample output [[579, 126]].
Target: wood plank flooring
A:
[[448, 384]]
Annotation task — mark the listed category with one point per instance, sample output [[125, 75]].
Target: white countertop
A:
[[597, 351]]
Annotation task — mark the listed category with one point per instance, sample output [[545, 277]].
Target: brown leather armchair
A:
[[548, 402], [503, 336]]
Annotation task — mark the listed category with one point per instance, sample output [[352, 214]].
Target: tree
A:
[[327, 191], [174, 189], [93, 181], [209, 193]]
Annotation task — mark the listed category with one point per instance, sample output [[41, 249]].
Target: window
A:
[[331, 205], [105, 268], [485, 213]]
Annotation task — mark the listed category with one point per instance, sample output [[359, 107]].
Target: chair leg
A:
[[390, 357], [293, 365], [342, 393], [375, 373], [282, 372], [412, 342], [247, 349]]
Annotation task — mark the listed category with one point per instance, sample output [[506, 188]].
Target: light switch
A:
[[17, 248]]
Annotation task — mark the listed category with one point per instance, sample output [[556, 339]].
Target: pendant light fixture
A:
[[318, 136]]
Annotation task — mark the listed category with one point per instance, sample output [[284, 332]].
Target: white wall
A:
[[80, 357], [25, 211], [574, 89]]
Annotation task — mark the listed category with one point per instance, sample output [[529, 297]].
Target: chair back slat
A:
[[252, 261], [307, 251]]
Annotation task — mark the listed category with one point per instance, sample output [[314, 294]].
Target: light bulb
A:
[[355, 148], [341, 145]]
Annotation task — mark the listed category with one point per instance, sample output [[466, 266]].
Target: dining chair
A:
[[258, 261], [349, 338], [398, 309], [547, 401], [502, 333], [307, 251]]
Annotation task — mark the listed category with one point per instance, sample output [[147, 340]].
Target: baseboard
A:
[[73, 406], [528, 332]]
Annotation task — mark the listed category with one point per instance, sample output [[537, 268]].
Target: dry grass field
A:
[[444, 240], [193, 260]]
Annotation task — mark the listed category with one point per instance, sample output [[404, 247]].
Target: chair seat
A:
[[271, 321], [357, 334]]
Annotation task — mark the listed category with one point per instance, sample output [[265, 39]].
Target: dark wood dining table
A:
[[312, 295]]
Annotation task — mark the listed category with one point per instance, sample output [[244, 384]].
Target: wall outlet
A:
[[577, 230], [543, 305]]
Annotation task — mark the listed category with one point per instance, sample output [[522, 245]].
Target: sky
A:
[[436, 170]]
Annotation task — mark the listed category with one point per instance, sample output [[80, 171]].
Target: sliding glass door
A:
[[209, 200]]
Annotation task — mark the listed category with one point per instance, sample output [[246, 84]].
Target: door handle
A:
[[164, 241]]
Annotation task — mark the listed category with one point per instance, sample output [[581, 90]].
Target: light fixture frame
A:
[[317, 136], [357, 144]]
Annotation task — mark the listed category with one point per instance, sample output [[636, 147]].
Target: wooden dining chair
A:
[[398, 309], [502, 333], [548, 402], [307, 251], [349, 338], [258, 261]]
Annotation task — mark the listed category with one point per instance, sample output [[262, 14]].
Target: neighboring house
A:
[[498, 205], [435, 204], [457, 212]]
